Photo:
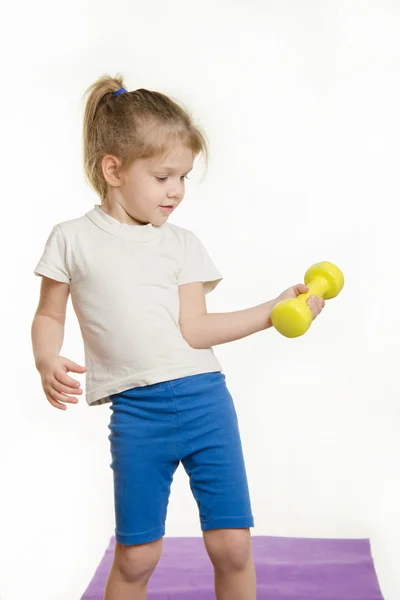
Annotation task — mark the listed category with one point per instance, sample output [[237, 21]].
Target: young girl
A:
[[138, 286]]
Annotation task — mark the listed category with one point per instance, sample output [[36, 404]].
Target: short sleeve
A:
[[198, 265], [53, 261]]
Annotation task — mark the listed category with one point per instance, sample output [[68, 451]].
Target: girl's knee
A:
[[229, 549], [137, 563]]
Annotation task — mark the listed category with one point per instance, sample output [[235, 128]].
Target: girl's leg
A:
[[231, 555], [143, 449], [131, 570], [212, 455]]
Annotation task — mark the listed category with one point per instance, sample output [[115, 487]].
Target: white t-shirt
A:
[[124, 289]]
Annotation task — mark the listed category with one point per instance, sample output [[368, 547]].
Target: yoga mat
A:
[[286, 568]]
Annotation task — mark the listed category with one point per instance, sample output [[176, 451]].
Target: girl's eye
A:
[[165, 178]]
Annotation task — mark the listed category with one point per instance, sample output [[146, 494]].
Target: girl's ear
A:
[[111, 167]]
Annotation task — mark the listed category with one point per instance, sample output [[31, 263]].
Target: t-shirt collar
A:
[[139, 233]]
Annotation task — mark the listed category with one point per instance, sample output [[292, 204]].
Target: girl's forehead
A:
[[176, 158]]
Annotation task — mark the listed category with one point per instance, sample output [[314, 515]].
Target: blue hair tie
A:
[[120, 91]]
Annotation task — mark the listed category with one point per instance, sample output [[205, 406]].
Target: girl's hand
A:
[[56, 383], [316, 304]]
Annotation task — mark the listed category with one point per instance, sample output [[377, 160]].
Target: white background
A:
[[300, 101]]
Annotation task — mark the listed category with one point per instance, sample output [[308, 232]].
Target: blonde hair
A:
[[132, 125]]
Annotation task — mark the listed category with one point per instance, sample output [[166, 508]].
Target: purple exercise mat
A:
[[287, 569]]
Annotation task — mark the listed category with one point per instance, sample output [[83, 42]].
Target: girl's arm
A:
[[204, 330], [48, 323], [47, 338]]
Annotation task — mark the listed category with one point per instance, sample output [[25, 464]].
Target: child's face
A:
[[152, 188]]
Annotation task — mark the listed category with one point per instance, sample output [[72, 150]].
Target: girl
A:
[[138, 286]]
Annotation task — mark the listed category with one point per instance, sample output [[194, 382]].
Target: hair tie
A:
[[120, 91]]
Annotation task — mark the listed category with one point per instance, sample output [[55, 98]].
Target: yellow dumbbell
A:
[[293, 317]]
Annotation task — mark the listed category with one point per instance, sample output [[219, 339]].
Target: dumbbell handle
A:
[[318, 286]]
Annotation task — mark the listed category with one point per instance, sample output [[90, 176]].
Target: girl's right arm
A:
[[47, 338]]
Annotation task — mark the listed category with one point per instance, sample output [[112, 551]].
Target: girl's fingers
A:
[[59, 387], [301, 288], [316, 305], [313, 304], [55, 403], [65, 379], [56, 396]]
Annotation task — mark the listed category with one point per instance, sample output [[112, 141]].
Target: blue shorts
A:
[[153, 428]]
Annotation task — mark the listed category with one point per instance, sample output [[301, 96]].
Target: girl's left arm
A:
[[203, 330]]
